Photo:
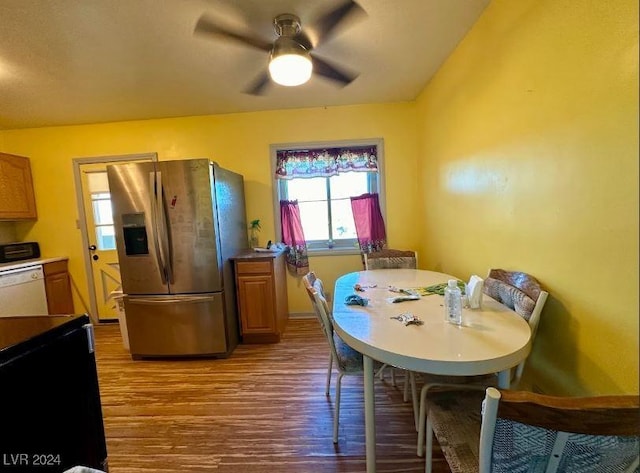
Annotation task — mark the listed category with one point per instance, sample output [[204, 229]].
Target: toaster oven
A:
[[10, 252]]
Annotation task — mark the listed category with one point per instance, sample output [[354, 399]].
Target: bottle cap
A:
[[452, 283]]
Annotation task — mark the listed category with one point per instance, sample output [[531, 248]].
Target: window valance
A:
[[325, 162]]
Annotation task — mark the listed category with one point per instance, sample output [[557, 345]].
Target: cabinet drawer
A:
[[253, 267], [55, 267]]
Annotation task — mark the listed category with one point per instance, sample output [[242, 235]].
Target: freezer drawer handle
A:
[[170, 300]]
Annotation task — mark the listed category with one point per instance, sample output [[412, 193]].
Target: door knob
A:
[[95, 257], [93, 247]]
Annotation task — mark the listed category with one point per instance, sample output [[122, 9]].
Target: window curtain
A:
[[370, 228], [325, 162], [293, 237]]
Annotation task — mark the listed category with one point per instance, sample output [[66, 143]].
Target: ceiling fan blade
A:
[[257, 87], [207, 26], [334, 73], [325, 25]]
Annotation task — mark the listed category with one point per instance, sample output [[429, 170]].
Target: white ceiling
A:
[[88, 61]]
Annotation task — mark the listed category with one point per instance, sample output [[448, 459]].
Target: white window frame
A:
[[277, 183]]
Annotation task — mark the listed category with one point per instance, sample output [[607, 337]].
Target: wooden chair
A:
[[390, 259], [520, 292], [347, 360], [503, 431]]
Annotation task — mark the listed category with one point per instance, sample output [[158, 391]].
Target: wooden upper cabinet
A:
[[17, 199]]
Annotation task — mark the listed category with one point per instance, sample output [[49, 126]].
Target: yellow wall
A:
[[239, 142], [529, 161]]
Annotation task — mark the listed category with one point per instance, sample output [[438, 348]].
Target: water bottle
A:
[[453, 303]]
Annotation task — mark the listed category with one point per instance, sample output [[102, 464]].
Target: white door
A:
[[96, 224]]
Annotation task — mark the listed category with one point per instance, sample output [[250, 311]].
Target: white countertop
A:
[[30, 262]]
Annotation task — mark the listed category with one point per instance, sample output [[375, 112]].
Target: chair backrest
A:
[[524, 431], [517, 290], [522, 293], [308, 280], [311, 281], [391, 259], [315, 291]]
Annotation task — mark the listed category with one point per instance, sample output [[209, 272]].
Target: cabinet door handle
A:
[[93, 247]]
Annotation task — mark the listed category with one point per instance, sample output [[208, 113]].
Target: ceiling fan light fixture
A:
[[290, 63]]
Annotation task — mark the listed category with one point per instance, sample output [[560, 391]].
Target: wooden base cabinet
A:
[[58, 287], [261, 287]]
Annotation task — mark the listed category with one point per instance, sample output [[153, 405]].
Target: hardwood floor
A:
[[261, 410]]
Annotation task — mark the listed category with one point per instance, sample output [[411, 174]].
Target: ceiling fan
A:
[[291, 61]]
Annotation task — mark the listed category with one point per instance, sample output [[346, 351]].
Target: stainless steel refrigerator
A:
[[177, 224]]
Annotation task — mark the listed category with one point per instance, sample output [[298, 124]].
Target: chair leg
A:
[[336, 410], [414, 398], [405, 394], [422, 417], [326, 392], [380, 373], [393, 377], [429, 454]]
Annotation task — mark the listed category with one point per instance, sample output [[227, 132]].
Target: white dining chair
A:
[[347, 360]]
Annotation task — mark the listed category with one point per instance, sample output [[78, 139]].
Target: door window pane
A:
[[103, 219], [106, 237], [102, 214], [98, 181]]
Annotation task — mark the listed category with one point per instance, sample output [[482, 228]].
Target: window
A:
[[103, 219], [324, 201], [101, 205]]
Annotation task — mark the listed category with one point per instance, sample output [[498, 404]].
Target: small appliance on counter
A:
[[12, 252]]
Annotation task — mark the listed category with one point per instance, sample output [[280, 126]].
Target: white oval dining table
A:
[[492, 339]]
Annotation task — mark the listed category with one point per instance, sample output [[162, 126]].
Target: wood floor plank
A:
[[263, 409]]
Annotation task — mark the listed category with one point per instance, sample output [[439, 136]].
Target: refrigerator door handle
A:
[[154, 224], [169, 300], [163, 234]]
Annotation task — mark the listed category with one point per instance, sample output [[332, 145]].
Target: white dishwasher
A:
[[22, 291]]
